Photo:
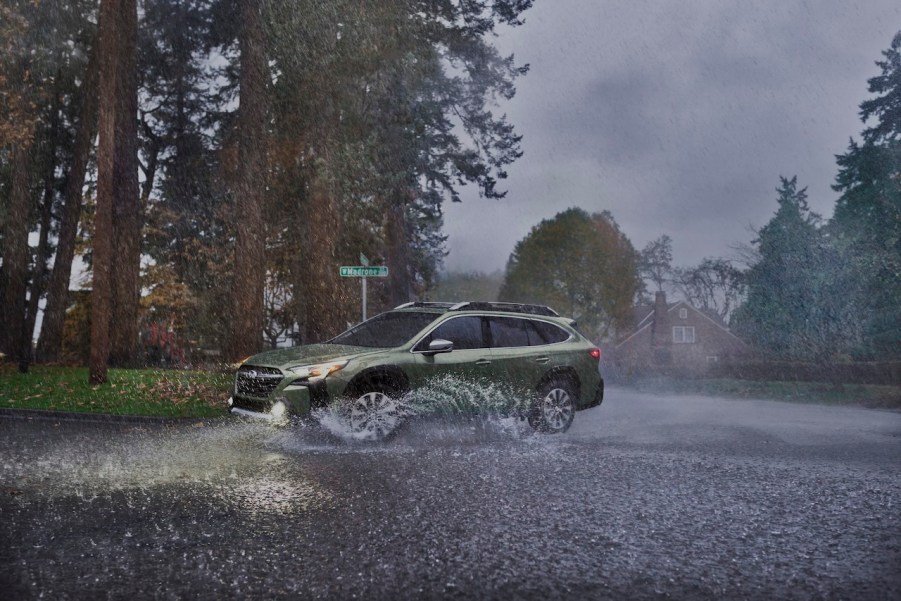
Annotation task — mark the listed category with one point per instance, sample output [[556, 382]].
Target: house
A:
[[675, 338]]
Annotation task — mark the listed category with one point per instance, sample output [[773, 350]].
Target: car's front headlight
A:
[[318, 371]]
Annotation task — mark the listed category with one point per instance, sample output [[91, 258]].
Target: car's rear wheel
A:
[[554, 408], [375, 415]]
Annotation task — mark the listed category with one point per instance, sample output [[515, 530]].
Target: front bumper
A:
[[252, 414], [299, 398]]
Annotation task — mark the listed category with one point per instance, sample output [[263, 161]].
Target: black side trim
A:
[[318, 394]]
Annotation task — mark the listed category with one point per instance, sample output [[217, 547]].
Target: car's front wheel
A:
[[375, 415], [554, 408]]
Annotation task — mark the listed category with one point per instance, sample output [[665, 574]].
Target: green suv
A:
[[382, 370]]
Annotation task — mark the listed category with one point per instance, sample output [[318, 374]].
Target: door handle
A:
[[542, 360], [483, 362]]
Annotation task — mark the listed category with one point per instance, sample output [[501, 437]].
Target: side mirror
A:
[[439, 346]]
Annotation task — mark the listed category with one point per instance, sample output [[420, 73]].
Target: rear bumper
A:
[[598, 397]]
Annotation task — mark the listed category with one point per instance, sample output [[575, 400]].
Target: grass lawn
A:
[[861, 395], [151, 392]]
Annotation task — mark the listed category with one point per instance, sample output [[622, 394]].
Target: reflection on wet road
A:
[[645, 497]]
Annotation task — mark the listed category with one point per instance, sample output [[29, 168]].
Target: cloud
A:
[[679, 118]]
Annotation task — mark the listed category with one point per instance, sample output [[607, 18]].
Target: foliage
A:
[[579, 264], [867, 216], [17, 110], [382, 110], [374, 114], [76, 344], [39, 78], [820, 291], [802, 300]]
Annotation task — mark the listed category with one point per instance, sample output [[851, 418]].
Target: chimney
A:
[[660, 330]]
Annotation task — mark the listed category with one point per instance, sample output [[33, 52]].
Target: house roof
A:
[[644, 318]]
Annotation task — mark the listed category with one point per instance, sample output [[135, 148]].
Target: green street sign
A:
[[359, 271]]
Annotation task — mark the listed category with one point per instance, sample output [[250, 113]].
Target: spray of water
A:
[[487, 407], [238, 462]]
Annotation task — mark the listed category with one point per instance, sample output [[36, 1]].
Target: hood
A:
[[306, 355]]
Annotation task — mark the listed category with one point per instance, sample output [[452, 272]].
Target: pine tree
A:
[[38, 82], [868, 214], [801, 296], [116, 239], [246, 315]]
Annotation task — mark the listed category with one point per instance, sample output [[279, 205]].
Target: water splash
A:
[[483, 407]]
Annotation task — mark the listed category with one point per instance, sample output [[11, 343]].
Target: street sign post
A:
[[363, 271]]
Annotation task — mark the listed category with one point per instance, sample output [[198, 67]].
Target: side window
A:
[[684, 334], [542, 332], [508, 332], [464, 332]]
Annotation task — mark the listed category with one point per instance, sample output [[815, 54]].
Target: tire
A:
[[554, 408], [375, 410]]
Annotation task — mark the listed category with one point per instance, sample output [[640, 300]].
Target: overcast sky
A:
[[676, 116]]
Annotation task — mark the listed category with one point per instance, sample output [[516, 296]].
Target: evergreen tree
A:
[[867, 216], [247, 311], [116, 239], [187, 232], [84, 118], [801, 297], [386, 116], [39, 86]]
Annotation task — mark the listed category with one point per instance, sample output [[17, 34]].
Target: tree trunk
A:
[[103, 219], [15, 252], [397, 252], [247, 313], [322, 303], [43, 250], [51, 339], [127, 217]]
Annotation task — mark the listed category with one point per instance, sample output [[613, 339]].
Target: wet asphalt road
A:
[[645, 498]]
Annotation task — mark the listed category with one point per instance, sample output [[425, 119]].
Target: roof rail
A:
[[508, 307], [424, 304]]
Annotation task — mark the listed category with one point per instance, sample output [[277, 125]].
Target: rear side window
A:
[[542, 332], [508, 332], [464, 332]]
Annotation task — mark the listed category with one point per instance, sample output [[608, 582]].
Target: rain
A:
[[496, 299]]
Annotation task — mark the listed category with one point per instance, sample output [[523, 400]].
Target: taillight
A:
[[596, 353]]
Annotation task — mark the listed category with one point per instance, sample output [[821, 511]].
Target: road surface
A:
[[646, 497]]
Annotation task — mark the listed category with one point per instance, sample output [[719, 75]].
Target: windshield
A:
[[386, 330]]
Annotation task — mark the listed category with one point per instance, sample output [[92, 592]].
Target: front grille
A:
[[257, 381]]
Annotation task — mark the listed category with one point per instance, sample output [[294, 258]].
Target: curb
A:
[[106, 418]]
